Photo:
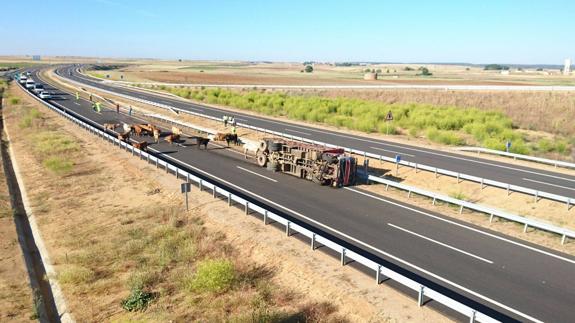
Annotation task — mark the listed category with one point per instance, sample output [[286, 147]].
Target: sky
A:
[[470, 31]]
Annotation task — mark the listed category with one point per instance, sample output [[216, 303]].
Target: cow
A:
[[233, 138], [201, 141], [171, 138], [157, 134], [176, 131], [124, 136], [110, 126], [141, 145]]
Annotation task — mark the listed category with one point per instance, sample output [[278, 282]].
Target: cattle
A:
[[201, 141], [124, 136], [127, 127], [141, 145], [157, 135], [111, 126], [171, 138], [233, 138], [176, 131]]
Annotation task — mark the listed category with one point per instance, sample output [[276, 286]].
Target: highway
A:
[[541, 180], [513, 279]]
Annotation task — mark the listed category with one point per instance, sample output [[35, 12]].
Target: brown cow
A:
[[124, 136], [111, 126], [201, 141], [171, 138], [141, 145]]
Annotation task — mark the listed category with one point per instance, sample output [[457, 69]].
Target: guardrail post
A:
[[568, 204], [435, 172], [229, 199], [461, 209], [457, 178], [508, 189], [563, 238], [167, 168], [287, 228], [491, 218], [416, 168], [408, 194], [377, 275], [200, 184], [265, 217], [482, 183], [386, 187], [247, 207], [472, 316], [156, 162], [214, 191], [525, 228], [536, 196], [433, 203], [343, 256], [312, 242], [420, 296]]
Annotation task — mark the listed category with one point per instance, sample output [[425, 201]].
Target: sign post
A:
[[388, 119], [507, 145], [397, 160], [185, 188]]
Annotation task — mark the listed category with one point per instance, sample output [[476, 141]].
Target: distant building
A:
[[505, 72], [36, 57], [567, 67], [370, 76]]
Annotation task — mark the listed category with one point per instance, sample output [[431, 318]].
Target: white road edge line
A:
[[465, 226], [544, 183], [440, 243], [393, 151], [296, 131], [260, 175], [492, 301]]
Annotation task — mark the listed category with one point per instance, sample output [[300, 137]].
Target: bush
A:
[[14, 101], [308, 69], [58, 165], [137, 301], [214, 276]]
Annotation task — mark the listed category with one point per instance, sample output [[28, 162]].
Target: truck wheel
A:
[[263, 146], [262, 160]]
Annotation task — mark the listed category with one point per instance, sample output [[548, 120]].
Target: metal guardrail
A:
[[564, 233], [290, 227], [437, 171], [553, 162]]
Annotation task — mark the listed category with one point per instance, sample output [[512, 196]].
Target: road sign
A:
[[389, 116], [507, 145], [185, 187], [397, 158]]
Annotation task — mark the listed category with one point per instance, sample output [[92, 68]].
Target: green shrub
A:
[[58, 165], [137, 301], [14, 100], [214, 276]]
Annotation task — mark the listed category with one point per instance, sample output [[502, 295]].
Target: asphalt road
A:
[[537, 179], [518, 280]]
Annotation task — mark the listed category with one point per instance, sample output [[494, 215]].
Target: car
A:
[[38, 88], [45, 95], [23, 79], [30, 83], [28, 73]]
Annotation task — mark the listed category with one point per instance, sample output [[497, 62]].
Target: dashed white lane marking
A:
[[465, 226], [440, 243], [393, 151], [296, 131], [517, 312], [76, 103], [260, 175], [544, 183]]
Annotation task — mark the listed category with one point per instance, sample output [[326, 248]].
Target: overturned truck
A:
[[324, 166]]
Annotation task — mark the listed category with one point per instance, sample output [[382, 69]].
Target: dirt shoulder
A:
[[16, 296], [115, 225]]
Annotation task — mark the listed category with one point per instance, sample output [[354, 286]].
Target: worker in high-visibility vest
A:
[[98, 107], [234, 131], [77, 96]]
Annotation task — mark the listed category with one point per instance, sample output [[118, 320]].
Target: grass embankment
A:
[[16, 300], [125, 250], [447, 125]]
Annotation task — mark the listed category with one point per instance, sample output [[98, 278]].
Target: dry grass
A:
[[16, 297], [113, 241]]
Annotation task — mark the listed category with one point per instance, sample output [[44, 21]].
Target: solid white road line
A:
[[440, 243], [260, 175], [460, 287], [393, 151], [198, 110], [465, 226], [296, 131], [544, 183]]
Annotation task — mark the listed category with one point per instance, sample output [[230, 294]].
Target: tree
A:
[[378, 70], [425, 71], [495, 67], [407, 68], [367, 70], [308, 68]]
